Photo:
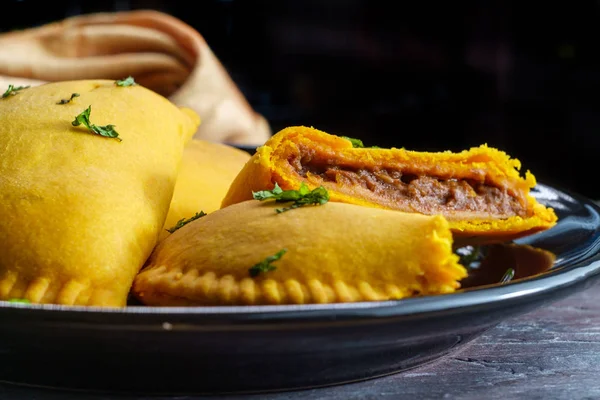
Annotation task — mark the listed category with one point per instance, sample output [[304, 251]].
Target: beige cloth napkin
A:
[[160, 51]]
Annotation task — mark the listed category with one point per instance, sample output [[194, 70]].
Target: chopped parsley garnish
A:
[[24, 301], [13, 90], [184, 221], [469, 255], [508, 276], [106, 131], [301, 197], [266, 264], [357, 143], [129, 81], [65, 101]]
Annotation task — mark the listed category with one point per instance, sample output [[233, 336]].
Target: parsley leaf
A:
[[13, 90], [129, 81], [24, 301], [268, 194], [301, 197], [65, 101], [106, 131], [265, 265], [469, 255], [356, 143], [184, 221], [508, 276]]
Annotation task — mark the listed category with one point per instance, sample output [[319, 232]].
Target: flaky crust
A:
[[81, 213], [206, 172], [335, 253], [270, 165]]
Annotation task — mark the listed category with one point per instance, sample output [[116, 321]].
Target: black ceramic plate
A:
[[259, 348]]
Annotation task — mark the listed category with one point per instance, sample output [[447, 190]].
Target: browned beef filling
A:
[[407, 192]]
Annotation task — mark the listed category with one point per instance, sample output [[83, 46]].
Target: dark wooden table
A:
[[551, 353]]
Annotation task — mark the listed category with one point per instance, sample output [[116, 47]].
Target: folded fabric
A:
[[479, 190], [160, 51], [85, 183], [250, 254], [206, 172]]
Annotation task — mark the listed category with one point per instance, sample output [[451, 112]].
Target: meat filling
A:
[[407, 192]]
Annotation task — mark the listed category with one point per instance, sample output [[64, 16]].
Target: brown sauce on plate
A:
[[526, 261]]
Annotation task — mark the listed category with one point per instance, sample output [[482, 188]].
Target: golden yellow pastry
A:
[[81, 212], [206, 172], [479, 191], [328, 253]]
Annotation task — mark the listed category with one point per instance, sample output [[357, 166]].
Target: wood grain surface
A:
[[551, 353]]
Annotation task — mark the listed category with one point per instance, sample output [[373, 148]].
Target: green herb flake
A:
[[184, 221], [356, 143], [65, 101], [13, 90], [469, 255], [23, 301], [508, 276], [266, 264], [301, 197], [129, 81], [106, 131], [268, 194]]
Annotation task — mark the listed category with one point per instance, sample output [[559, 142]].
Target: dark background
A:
[[423, 75]]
